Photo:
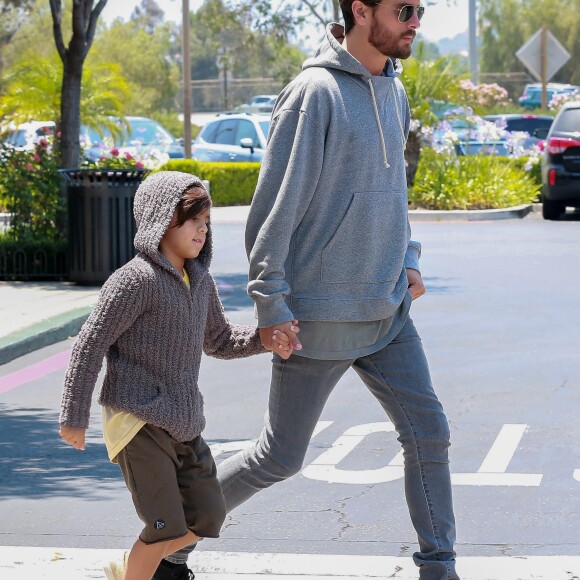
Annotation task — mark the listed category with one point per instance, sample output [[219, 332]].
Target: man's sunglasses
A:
[[406, 12]]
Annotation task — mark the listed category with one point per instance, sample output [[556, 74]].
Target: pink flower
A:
[[115, 152], [36, 158], [128, 156], [139, 164], [43, 143], [29, 167]]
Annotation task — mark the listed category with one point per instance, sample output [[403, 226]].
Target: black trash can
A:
[[101, 226]]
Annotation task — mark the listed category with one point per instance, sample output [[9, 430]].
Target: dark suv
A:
[[561, 163]]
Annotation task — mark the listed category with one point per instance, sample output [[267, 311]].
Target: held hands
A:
[[281, 338], [416, 286], [74, 437]]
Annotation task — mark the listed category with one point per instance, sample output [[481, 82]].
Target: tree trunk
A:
[[70, 112], [84, 24], [412, 156]]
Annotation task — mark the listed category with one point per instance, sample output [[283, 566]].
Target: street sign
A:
[[535, 56]]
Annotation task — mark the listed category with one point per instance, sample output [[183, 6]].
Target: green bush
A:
[[230, 183], [30, 193], [446, 182]]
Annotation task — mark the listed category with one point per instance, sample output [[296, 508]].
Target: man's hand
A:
[[281, 338], [416, 286], [74, 437]]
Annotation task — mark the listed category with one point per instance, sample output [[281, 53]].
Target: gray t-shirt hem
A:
[[325, 340]]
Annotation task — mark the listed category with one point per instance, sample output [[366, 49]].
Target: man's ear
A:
[[360, 13]]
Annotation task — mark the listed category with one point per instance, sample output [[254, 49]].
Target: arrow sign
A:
[[531, 55]]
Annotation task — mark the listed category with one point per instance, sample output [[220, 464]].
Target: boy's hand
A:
[[281, 338], [74, 437]]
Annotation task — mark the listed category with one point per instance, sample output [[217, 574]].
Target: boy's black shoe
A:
[[168, 571]]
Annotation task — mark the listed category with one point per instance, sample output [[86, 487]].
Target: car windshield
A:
[[146, 133], [140, 132], [265, 125]]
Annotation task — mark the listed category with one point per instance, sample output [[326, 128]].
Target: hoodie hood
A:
[[331, 54], [155, 203]]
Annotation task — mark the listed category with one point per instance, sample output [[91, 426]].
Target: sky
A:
[[439, 21]]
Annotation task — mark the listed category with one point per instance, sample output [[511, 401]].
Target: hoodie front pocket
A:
[[370, 243]]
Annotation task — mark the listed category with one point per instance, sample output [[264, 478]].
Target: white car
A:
[[27, 135], [258, 104]]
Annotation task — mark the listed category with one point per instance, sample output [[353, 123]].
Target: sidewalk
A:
[[18, 563], [37, 314]]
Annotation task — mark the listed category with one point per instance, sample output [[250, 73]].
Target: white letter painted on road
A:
[[492, 470], [324, 467]]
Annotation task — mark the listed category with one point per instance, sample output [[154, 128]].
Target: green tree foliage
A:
[[148, 15], [507, 24], [142, 58], [229, 32]]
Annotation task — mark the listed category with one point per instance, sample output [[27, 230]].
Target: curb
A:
[[239, 214], [43, 334], [471, 215]]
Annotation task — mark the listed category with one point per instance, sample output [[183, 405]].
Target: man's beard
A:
[[386, 42]]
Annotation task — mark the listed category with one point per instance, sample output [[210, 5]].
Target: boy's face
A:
[[185, 242]]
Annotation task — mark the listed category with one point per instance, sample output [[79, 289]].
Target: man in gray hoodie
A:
[[328, 239]]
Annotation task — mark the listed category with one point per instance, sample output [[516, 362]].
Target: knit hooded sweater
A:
[[151, 328]]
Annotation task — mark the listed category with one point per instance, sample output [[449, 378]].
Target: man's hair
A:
[[195, 200], [346, 7]]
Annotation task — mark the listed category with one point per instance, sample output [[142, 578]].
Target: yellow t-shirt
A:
[[119, 427]]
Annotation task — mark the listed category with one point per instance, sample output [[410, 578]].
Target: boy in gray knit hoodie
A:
[[153, 318]]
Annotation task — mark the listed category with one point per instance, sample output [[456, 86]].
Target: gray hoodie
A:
[[328, 236], [152, 328]]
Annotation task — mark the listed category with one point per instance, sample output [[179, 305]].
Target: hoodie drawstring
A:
[[378, 119]]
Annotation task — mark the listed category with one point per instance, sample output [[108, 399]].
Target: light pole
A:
[[473, 60], [186, 63]]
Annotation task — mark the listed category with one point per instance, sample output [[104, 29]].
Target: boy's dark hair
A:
[[346, 7], [194, 201]]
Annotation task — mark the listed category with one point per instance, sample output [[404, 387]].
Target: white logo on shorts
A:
[[159, 524]]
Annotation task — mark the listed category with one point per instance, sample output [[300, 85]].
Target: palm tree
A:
[[32, 91]]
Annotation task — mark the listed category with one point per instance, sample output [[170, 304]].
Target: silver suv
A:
[[232, 137]]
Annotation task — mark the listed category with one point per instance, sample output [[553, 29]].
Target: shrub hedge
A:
[[447, 182], [230, 183]]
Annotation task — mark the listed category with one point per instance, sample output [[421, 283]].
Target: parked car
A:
[[139, 136], [532, 95], [561, 163], [498, 148], [27, 135], [232, 137], [258, 104], [536, 126]]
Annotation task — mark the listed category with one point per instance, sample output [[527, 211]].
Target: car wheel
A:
[[551, 210]]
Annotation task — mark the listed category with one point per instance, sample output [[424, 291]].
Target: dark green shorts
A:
[[174, 485]]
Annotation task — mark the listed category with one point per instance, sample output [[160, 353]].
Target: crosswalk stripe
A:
[[21, 563]]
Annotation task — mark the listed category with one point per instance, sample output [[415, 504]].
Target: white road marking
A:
[[492, 470], [21, 563], [324, 468]]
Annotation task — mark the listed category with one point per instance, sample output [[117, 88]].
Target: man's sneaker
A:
[[165, 571], [116, 570]]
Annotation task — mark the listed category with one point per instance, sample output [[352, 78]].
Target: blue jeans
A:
[[398, 376]]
